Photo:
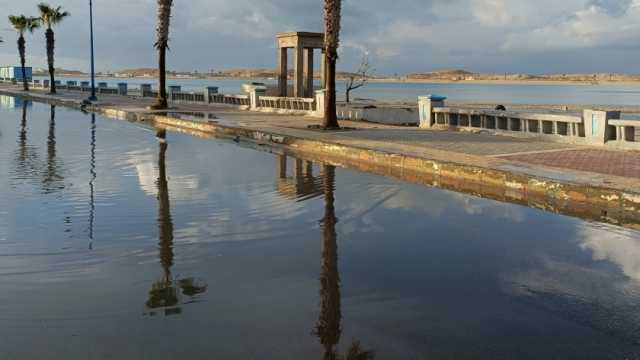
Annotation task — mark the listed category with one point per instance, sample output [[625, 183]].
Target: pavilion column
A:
[[284, 71], [308, 171], [323, 70], [298, 169], [298, 72], [282, 166], [308, 72]]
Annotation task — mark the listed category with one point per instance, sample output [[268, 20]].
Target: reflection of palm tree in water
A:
[[23, 133], [328, 327], [27, 156], [52, 179], [164, 293]]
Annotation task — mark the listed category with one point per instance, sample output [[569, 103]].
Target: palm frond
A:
[[50, 15]]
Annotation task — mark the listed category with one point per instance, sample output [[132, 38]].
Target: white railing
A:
[[521, 122], [624, 131], [187, 97], [240, 100], [287, 103]]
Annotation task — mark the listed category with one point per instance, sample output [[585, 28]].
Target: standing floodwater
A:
[[120, 241]]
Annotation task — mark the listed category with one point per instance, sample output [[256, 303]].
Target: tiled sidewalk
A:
[[620, 163]]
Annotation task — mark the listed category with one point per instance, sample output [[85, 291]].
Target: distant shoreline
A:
[[390, 80]]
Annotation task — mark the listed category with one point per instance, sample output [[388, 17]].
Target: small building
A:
[[9, 73]]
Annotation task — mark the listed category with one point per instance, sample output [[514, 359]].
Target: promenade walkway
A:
[[526, 166]]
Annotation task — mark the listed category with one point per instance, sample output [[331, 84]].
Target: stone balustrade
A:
[[287, 103], [625, 132], [592, 127]]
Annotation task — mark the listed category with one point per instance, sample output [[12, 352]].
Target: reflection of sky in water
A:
[[425, 273]]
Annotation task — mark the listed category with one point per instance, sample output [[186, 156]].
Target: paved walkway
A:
[[531, 156], [625, 164]]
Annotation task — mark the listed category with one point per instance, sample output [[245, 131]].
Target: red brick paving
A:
[[620, 163]]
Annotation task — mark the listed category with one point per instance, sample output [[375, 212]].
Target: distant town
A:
[[434, 76]]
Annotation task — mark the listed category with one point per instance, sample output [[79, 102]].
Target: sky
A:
[[400, 36]]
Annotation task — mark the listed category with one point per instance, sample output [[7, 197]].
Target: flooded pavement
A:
[[119, 241]]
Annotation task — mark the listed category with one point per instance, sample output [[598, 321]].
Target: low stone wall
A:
[[389, 115], [591, 127]]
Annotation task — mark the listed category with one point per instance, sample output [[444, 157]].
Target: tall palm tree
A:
[[22, 24], [332, 9], [51, 16], [162, 44]]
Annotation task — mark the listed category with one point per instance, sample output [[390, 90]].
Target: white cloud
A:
[[402, 36], [618, 246], [588, 27]]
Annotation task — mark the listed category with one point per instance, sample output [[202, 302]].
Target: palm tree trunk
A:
[[332, 15], [330, 115], [162, 102], [23, 61], [162, 44], [50, 59]]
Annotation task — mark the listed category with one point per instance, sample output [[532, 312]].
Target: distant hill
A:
[[463, 75], [236, 73], [438, 75], [61, 72]]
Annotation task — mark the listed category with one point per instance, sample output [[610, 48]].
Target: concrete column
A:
[[308, 72], [298, 72], [173, 90], [596, 129], [282, 166], [308, 171], [254, 96], [425, 107], [323, 70], [540, 130], [555, 128], [620, 133], [320, 96], [298, 169], [122, 89], [145, 89], [284, 71], [208, 92]]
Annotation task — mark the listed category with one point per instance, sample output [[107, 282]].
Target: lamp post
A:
[[93, 69]]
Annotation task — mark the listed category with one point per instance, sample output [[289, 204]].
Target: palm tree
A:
[[162, 44], [332, 10], [22, 24], [51, 16]]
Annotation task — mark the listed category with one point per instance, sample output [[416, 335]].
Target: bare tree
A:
[[359, 78]]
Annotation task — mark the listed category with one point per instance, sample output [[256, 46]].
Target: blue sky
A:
[[401, 36]]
